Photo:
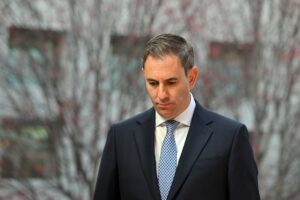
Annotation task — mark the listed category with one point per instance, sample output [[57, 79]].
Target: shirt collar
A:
[[184, 118]]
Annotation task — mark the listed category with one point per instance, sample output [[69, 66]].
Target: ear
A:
[[192, 76], [142, 72]]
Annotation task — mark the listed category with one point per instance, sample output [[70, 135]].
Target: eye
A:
[[172, 82], [153, 83]]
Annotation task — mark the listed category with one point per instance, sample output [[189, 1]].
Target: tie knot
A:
[[171, 124]]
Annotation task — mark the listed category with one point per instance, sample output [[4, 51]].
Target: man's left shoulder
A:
[[219, 120]]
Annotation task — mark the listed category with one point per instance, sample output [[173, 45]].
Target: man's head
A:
[[166, 44], [170, 74]]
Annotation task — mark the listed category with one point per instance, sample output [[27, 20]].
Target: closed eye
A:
[[172, 81], [152, 83]]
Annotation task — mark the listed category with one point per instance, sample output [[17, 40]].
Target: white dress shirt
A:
[[180, 133]]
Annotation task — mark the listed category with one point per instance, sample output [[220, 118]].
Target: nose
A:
[[162, 93]]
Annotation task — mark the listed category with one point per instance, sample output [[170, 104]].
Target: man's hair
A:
[[168, 44]]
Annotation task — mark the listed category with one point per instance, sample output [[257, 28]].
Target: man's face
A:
[[167, 84]]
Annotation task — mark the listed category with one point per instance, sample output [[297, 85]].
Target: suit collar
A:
[[198, 136], [144, 137]]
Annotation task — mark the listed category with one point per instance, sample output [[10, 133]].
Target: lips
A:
[[164, 105]]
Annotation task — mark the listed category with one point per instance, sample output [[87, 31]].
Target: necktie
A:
[[168, 160]]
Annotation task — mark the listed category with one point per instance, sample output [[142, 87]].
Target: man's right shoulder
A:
[[138, 118]]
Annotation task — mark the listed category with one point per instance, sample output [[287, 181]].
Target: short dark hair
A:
[[166, 44]]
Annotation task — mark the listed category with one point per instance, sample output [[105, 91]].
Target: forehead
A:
[[163, 68]]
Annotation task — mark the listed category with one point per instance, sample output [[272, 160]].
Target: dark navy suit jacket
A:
[[216, 163]]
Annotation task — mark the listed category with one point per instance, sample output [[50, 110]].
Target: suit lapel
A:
[[144, 137], [198, 136]]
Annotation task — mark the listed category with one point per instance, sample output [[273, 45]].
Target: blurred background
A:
[[71, 68]]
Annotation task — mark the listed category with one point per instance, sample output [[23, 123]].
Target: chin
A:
[[166, 115]]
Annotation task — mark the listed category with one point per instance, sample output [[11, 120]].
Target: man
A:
[[177, 149]]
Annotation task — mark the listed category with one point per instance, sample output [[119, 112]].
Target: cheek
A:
[[182, 93], [151, 92]]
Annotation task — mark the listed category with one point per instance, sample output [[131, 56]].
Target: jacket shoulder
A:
[[217, 119], [136, 119]]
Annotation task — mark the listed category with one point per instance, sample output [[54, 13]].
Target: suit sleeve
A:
[[242, 170], [107, 187]]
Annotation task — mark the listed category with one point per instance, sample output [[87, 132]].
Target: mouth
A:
[[163, 105]]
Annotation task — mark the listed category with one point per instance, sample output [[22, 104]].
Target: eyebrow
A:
[[172, 79], [169, 79]]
